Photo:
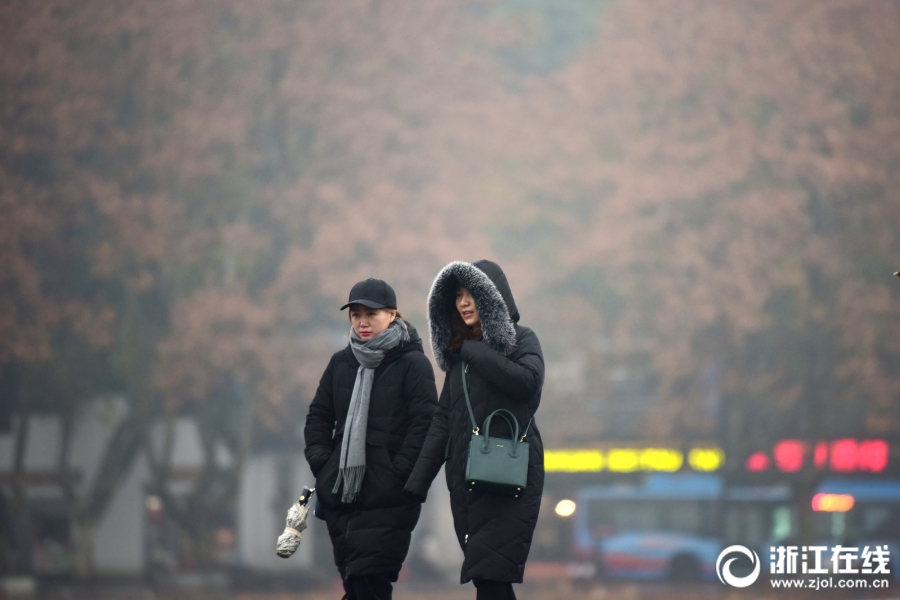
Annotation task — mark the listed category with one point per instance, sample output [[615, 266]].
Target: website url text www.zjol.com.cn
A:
[[824, 583]]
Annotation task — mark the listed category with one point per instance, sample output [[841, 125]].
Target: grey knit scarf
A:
[[369, 353]]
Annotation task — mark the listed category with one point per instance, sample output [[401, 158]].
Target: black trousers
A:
[[369, 587], [493, 590]]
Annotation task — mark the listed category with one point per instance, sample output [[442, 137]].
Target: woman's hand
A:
[[520, 377]]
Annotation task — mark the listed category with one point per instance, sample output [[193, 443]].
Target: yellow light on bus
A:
[[661, 459], [631, 460], [706, 459], [624, 460], [565, 508], [573, 461], [833, 502]]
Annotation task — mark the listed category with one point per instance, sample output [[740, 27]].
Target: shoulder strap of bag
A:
[[475, 430], [464, 370], [527, 427]]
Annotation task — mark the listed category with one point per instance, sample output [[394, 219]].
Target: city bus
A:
[[672, 526]]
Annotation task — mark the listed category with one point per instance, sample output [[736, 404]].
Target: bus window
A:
[[746, 525], [755, 528], [880, 522], [873, 516], [756, 525], [733, 530], [685, 517], [839, 526], [611, 516], [781, 523], [635, 516]]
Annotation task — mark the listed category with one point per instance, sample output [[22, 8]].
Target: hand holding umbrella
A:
[[289, 540]]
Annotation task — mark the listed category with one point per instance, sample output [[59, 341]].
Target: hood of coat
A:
[[498, 278], [493, 298]]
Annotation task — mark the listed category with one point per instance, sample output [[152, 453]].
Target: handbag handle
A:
[[475, 428], [487, 430], [510, 420]]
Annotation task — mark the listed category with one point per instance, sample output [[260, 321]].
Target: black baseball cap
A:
[[373, 293]]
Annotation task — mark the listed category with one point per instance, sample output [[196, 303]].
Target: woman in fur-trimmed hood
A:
[[473, 319]]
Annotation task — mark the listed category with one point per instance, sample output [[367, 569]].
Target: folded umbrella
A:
[[289, 540]]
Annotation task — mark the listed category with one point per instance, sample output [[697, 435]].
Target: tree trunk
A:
[[117, 460], [83, 530], [19, 511]]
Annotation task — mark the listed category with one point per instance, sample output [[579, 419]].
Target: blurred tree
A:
[[681, 192]]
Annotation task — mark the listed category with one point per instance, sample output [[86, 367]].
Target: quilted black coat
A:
[[372, 534], [506, 370]]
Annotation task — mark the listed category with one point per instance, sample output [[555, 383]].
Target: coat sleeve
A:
[[320, 422], [421, 402], [520, 378], [434, 451]]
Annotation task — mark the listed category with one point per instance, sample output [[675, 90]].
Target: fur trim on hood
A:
[[497, 328]]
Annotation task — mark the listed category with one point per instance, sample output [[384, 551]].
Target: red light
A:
[[789, 455], [820, 455], [872, 455], [757, 462], [843, 455]]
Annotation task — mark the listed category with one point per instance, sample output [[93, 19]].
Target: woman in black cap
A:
[[364, 431], [474, 322]]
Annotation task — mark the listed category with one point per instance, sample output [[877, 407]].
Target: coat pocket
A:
[[382, 484], [327, 477]]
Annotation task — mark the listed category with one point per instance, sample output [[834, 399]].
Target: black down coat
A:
[[372, 534], [506, 370]]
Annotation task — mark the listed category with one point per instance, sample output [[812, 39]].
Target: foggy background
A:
[[696, 205]]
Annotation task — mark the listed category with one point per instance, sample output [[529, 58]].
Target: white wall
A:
[[119, 538]]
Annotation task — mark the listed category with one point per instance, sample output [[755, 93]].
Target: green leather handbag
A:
[[496, 465]]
